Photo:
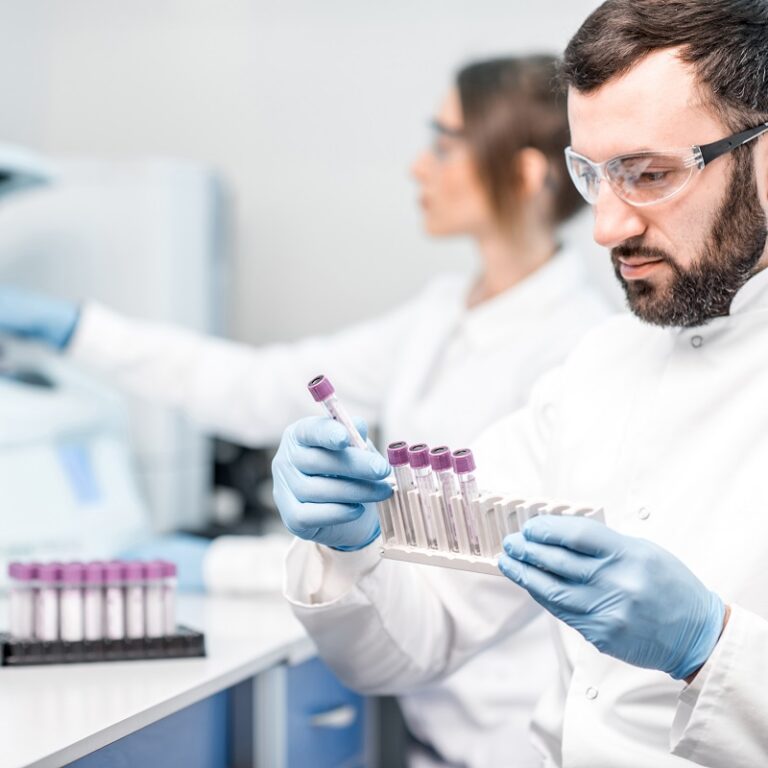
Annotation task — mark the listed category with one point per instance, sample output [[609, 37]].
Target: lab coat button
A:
[[643, 513], [591, 693], [697, 341]]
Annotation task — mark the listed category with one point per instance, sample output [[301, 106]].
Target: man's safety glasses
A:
[[650, 177]]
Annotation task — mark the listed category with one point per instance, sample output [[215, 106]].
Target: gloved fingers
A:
[[545, 588], [303, 517], [559, 561], [336, 489], [350, 463], [320, 432], [575, 533]]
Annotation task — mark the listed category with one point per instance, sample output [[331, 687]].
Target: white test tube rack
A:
[[494, 517]]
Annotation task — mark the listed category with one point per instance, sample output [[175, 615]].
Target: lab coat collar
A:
[[753, 295], [513, 312]]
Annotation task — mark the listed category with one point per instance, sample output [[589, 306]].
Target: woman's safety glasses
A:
[[650, 177]]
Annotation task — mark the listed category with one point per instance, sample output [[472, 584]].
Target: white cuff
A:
[[316, 575]]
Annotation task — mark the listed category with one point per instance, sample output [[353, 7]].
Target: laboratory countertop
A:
[[52, 715]]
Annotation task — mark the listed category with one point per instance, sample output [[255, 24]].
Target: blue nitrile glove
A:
[[184, 549], [627, 596], [39, 318], [325, 488]]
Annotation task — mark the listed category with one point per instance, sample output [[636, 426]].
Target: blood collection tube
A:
[[134, 599], [464, 465], [71, 602], [47, 613], [442, 465], [114, 600], [426, 482], [323, 392], [93, 599], [22, 599], [169, 597], [154, 573], [397, 455]]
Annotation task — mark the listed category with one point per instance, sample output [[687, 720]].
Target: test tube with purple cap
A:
[[71, 603], [397, 455], [464, 466], [22, 576], [323, 392], [426, 482], [442, 465]]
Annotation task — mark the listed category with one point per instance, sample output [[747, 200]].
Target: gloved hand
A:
[[39, 318], [627, 596], [184, 549], [324, 488]]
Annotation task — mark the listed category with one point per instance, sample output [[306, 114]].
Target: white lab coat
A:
[[430, 371], [668, 430]]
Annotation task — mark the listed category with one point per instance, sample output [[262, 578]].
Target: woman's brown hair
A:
[[509, 104]]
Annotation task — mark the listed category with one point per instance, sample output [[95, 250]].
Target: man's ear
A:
[[761, 171]]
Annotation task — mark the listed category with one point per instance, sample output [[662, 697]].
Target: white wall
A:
[[310, 109]]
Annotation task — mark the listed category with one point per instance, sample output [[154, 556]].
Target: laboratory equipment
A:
[[74, 612], [127, 234], [323, 392], [468, 525]]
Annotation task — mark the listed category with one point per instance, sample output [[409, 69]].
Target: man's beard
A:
[[727, 260]]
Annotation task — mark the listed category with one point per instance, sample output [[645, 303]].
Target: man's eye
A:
[[652, 177]]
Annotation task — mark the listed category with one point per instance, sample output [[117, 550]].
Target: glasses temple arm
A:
[[710, 152]]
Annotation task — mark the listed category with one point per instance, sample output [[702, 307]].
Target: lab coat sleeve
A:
[[390, 627], [721, 717], [246, 393]]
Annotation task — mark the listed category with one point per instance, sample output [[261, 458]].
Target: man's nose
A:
[[615, 220]]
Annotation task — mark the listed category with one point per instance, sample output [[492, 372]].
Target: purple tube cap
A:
[[134, 570], [154, 569], [169, 569], [463, 461], [440, 458], [320, 388], [418, 455], [114, 571], [22, 571], [72, 573], [95, 573], [49, 573], [397, 453]]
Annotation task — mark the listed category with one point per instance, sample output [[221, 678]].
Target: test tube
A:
[[323, 392], [169, 597], [442, 465], [134, 599], [464, 465], [22, 599], [426, 482], [114, 600], [397, 455], [93, 599], [154, 573], [71, 602], [47, 618]]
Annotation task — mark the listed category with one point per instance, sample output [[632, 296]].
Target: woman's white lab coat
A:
[[430, 371], [668, 430]]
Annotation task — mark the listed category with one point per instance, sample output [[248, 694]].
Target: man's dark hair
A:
[[725, 41]]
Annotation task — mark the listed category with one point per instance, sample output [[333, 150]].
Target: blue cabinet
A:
[[194, 737], [326, 722]]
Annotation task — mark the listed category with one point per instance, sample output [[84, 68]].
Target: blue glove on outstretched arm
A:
[[627, 596], [324, 488], [39, 318]]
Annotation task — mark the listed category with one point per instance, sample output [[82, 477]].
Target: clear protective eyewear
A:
[[650, 177]]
